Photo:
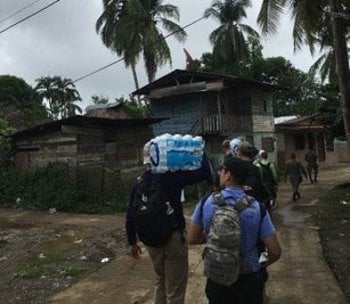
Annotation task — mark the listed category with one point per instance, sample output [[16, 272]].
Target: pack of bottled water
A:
[[176, 152]]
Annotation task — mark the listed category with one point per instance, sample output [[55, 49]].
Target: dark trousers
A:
[[247, 290]]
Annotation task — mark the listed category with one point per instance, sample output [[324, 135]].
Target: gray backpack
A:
[[222, 249]]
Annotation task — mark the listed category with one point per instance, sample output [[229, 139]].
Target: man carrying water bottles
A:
[[162, 228]]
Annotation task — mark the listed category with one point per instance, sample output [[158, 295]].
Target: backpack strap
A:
[[219, 199], [243, 203]]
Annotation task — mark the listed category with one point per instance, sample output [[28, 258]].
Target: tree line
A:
[[135, 29]]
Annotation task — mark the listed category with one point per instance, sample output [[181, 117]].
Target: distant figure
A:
[[295, 170], [312, 165], [269, 179]]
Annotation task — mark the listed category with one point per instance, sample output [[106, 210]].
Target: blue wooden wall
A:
[[183, 111]]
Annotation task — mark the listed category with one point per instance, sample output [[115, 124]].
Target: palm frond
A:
[[268, 18]]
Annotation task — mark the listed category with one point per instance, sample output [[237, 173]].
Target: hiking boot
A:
[[298, 194]]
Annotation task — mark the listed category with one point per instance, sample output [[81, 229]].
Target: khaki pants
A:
[[170, 263]]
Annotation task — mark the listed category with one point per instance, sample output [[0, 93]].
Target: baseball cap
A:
[[238, 168]]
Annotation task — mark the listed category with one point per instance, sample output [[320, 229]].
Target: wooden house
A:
[[99, 151], [214, 106], [299, 133]]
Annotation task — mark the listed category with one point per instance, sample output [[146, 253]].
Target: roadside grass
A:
[[53, 258], [332, 215]]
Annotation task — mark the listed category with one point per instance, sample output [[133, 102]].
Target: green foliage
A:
[[53, 187], [99, 100], [5, 141], [133, 28], [132, 108], [61, 96], [19, 104], [330, 110]]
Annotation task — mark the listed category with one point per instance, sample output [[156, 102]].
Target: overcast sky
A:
[[62, 41]]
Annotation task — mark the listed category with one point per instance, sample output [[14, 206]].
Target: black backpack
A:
[[152, 212]]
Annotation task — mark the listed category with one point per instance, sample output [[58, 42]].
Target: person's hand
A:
[[135, 251]]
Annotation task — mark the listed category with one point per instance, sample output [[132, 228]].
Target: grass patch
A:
[[50, 258], [332, 216]]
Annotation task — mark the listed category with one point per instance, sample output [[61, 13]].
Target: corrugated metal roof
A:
[[284, 119], [186, 76], [85, 121]]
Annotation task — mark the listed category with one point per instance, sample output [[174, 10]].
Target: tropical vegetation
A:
[[134, 28], [230, 39], [20, 107], [311, 20], [61, 96]]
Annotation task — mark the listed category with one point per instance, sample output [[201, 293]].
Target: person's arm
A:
[[269, 238], [286, 172], [195, 234], [190, 177], [303, 170], [273, 248]]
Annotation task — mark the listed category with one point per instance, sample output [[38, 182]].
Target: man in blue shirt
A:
[[248, 289]]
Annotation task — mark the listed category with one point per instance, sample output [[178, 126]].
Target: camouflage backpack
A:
[[221, 252]]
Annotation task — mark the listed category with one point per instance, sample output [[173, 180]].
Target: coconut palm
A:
[[230, 39], [131, 28], [308, 17], [60, 95]]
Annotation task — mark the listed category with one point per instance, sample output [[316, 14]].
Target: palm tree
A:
[[230, 39], [60, 95], [131, 28], [114, 34], [67, 95], [309, 17]]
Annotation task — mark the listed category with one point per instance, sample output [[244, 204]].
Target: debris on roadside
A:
[[52, 210]]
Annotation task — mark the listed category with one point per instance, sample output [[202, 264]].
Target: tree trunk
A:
[[136, 81], [342, 61]]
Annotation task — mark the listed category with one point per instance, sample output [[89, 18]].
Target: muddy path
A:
[[300, 277]]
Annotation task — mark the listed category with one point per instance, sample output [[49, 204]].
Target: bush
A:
[[53, 187]]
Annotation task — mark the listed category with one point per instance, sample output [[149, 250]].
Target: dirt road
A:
[[300, 277]]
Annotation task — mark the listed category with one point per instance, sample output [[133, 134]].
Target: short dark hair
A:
[[248, 150], [238, 168]]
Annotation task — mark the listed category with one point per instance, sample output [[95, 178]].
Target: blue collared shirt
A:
[[252, 226]]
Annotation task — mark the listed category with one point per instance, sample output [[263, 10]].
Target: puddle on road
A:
[[290, 216]]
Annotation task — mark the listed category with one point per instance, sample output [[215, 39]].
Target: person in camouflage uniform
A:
[[312, 165], [295, 170]]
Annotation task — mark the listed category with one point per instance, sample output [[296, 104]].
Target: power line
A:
[[31, 15], [121, 59], [19, 11]]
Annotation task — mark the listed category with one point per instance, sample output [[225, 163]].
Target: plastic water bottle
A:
[[176, 152]]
